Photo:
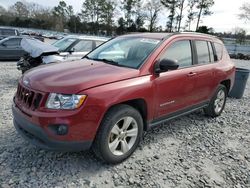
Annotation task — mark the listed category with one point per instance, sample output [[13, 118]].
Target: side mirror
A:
[[71, 50], [164, 65]]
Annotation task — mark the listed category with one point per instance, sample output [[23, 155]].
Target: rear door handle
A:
[[192, 74]]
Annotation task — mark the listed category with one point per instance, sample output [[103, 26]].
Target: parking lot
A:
[[191, 151]]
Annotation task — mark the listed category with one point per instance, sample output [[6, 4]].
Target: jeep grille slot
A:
[[28, 98]]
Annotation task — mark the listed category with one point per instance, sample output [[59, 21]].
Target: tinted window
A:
[[12, 42], [202, 52], [98, 43], [211, 53], [218, 49], [7, 32], [63, 44], [180, 51], [83, 46]]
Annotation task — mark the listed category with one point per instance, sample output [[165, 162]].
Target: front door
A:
[[174, 89]]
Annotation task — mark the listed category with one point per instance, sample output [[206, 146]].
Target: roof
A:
[[86, 37], [159, 36], [8, 28], [162, 36]]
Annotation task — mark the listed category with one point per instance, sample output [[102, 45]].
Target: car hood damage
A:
[[36, 48], [75, 76]]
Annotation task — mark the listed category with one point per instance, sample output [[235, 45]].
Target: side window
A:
[[219, 49], [180, 51], [202, 52], [98, 43], [211, 53], [83, 46], [12, 42], [7, 32]]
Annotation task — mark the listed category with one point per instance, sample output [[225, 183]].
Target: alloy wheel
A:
[[123, 136]]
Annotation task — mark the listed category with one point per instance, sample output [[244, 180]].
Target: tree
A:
[[128, 11], [74, 24], [91, 10], [140, 15], [99, 13], [240, 35], [19, 10], [153, 9], [203, 6], [107, 15], [171, 6], [191, 13], [62, 14], [181, 6], [121, 26], [205, 29], [245, 8], [63, 11], [2, 11]]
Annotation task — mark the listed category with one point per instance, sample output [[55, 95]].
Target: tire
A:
[[119, 134], [217, 103]]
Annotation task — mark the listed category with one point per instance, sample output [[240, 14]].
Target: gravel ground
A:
[[192, 151]]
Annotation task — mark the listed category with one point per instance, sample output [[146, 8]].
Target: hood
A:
[[75, 76], [37, 48]]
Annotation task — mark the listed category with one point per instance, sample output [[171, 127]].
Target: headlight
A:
[[64, 102]]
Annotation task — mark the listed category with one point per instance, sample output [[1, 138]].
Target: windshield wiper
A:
[[109, 61]]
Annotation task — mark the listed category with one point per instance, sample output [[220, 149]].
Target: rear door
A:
[[175, 89], [204, 71]]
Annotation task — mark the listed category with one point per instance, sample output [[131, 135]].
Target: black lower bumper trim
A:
[[38, 137]]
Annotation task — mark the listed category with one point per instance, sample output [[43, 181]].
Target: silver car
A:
[[67, 49], [75, 47]]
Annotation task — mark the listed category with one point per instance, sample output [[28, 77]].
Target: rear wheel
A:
[[217, 103], [119, 135]]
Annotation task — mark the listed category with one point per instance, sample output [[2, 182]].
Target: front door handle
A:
[[192, 74]]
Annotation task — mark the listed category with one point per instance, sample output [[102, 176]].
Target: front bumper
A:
[[38, 137]]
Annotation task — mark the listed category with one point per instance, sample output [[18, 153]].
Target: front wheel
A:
[[119, 135], [217, 103]]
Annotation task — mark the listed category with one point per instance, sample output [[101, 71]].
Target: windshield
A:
[[63, 44], [128, 52]]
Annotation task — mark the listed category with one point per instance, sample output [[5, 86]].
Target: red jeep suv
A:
[[124, 87]]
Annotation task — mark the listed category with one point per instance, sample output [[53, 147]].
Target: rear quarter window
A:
[[218, 50]]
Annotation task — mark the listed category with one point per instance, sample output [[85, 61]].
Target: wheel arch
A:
[[141, 106], [227, 84]]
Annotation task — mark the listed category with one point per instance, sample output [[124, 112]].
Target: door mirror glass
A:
[[165, 65]]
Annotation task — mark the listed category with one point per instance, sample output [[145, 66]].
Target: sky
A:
[[224, 17]]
